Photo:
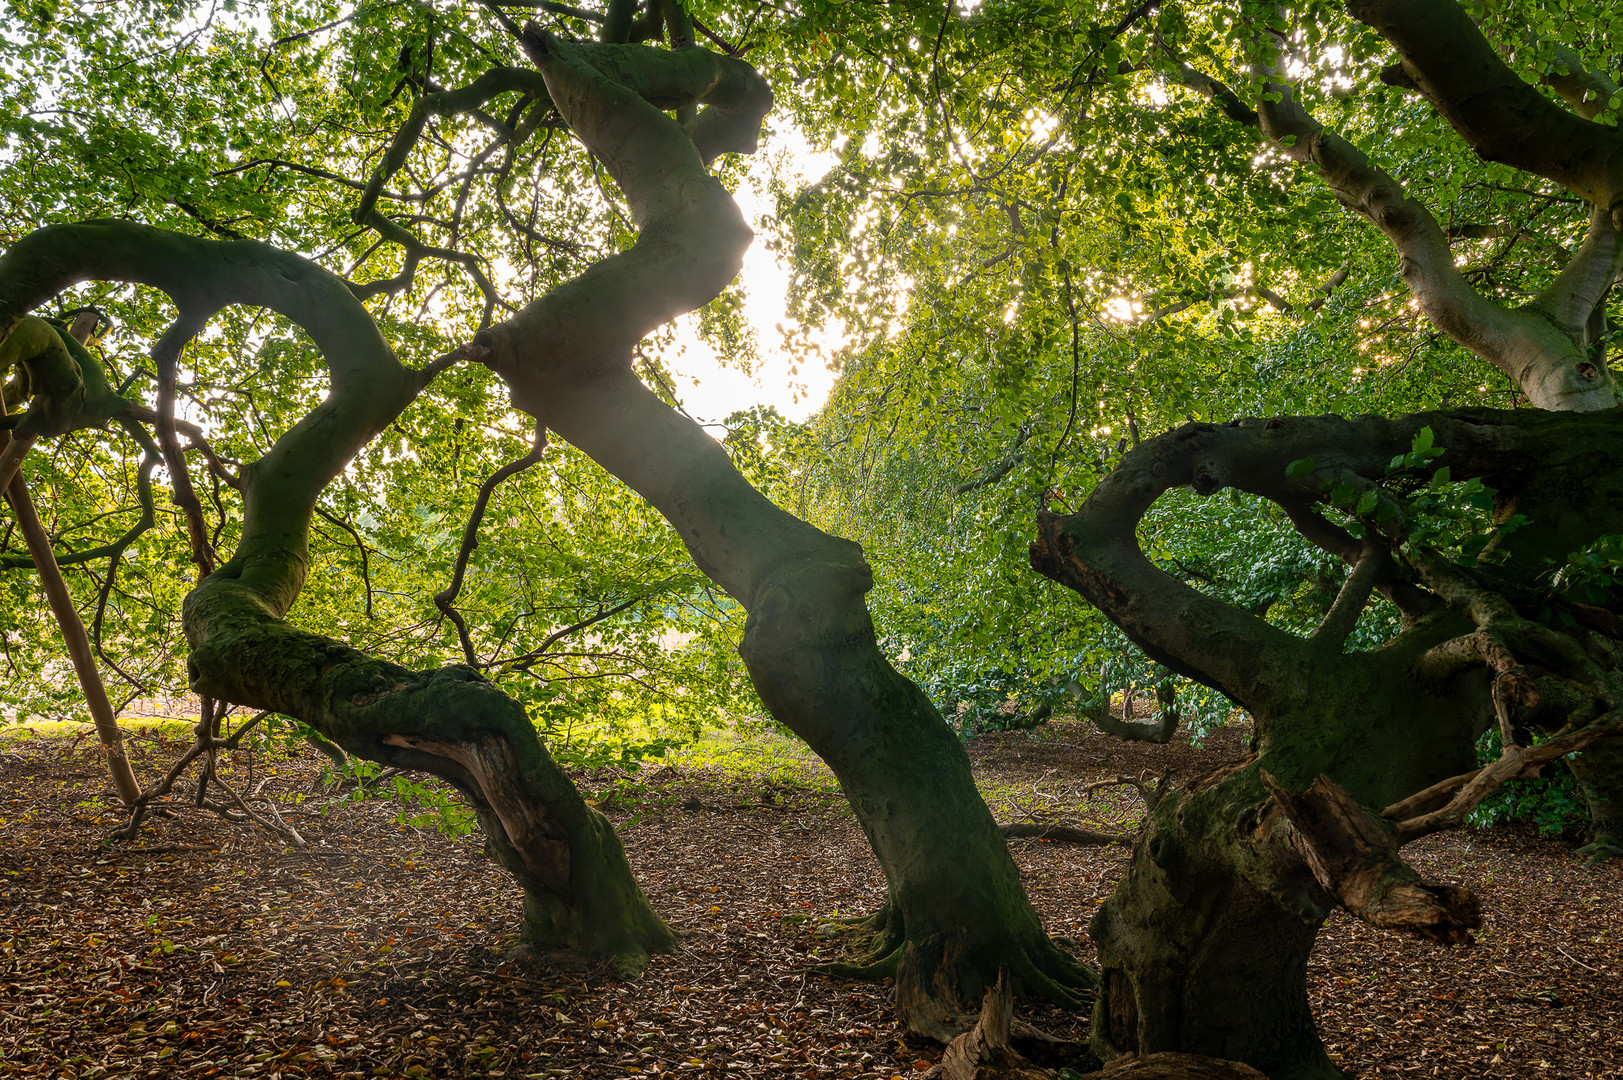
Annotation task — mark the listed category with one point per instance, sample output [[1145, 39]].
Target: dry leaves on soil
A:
[[382, 950]]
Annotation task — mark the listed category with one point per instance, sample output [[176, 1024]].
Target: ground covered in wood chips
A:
[[382, 949]]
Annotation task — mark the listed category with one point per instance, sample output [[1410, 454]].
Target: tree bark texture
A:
[[1203, 947], [1599, 769], [1205, 943], [809, 644]]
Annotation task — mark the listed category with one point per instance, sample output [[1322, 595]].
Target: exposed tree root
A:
[[883, 968], [1069, 834], [935, 975], [1604, 848]]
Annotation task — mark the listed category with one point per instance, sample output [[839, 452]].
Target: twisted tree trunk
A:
[[1204, 945], [579, 892], [956, 910]]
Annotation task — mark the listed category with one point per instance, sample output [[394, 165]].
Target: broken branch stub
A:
[[1354, 857]]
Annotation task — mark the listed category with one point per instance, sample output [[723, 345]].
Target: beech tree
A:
[[1106, 222], [1216, 274], [956, 912], [1354, 760]]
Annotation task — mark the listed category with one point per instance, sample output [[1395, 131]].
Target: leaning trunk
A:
[[956, 912]]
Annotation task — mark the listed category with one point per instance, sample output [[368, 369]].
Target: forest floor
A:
[[381, 949]]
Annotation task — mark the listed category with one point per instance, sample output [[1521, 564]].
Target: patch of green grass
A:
[[756, 751], [167, 727]]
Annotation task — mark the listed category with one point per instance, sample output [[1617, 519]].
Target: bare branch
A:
[[445, 600], [1515, 763], [73, 636], [464, 99]]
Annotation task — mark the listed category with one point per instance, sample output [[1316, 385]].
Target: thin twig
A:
[[446, 599]]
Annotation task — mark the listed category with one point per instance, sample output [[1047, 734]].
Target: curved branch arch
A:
[[1297, 830], [579, 892]]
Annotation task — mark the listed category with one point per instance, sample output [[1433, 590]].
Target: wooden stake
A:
[[73, 630]]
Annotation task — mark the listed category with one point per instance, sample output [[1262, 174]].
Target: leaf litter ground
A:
[[382, 950]]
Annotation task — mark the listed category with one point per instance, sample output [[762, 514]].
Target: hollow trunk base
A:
[[1204, 945]]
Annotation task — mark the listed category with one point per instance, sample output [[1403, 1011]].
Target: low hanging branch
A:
[[1469, 789], [207, 744], [242, 650], [1158, 731], [1069, 834]]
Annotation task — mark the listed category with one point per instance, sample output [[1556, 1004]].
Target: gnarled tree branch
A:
[[1448, 60], [243, 651]]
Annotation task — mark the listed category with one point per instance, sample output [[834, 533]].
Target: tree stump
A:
[[984, 1052]]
